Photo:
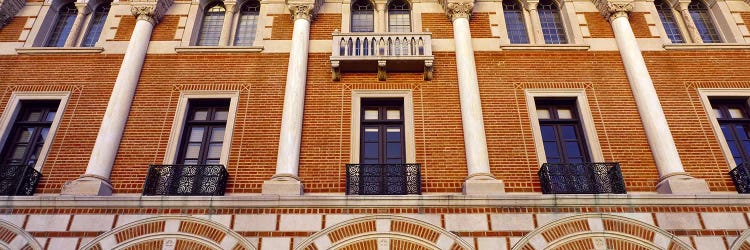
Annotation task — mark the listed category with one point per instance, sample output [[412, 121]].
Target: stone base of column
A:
[[483, 184], [88, 185], [682, 183], [283, 185]]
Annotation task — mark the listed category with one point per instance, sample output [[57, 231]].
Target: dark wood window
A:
[[734, 121], [561, 131], [203, 136], [29, 132], [382, 131]]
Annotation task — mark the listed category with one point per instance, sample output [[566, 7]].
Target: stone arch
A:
[[182, 231], [13, 237], [395, 232], [742, 242], [599, 231]]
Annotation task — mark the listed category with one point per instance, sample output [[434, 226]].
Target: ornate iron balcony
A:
[[581, 178], [186, 180], [18, 180], [383, 179], [382, 52], [741, 177]]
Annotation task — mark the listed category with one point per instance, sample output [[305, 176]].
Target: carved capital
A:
[[302, 11], [83, 8], [8, 9], [613, 9], [150, 10], [458, 10]]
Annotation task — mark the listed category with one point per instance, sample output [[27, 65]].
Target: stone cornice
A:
[[457, 9], [611, 9], [150, 10], [9, 9]]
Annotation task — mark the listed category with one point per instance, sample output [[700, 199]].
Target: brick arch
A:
[[742, 242], [603, 230], [13, 237], [182, 230], [396, 232]]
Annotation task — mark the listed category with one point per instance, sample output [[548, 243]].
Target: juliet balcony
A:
[[186, 180], [383, 179], [382, 53], [581, 178], [741, 178], [18, 180]]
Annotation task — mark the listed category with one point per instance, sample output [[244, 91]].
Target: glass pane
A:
[[393, 150], [193, 150], [718, 113], [96, 25], [371, 114], [572, 149], [65, 18], [196, 134], [393, 114], [552, 26], [50, 116], [514, 22], [393, 134], [550, 149], [25, 135], [221, 115], [741, 133], [371, 134], [190, 162], [371, 150], [703, 22], [19, 152], [44, 133], [200, 115], [543, 113], [213, 20], [214, 151], [370, 161], [217, 135], [564, 114], [736, 113], [213, 162], [568, 132], [246, 26], [362, 18], [33, 116], [399, 21], [548, 133], [668, 20]]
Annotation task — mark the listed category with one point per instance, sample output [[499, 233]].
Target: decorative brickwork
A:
[[12, 31]]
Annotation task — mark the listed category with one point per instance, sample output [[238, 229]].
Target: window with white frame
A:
[[70, 24], [677, 17], [363, 18], [399, 16], [728, 111], [382, 127], [540, 22], [28, 126], [210, 29], [551, 22], [515, 22]]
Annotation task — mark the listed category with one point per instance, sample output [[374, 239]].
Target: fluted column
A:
[[83, 10], [226, 28], [96, 179], [479, 180], [672, 175], [536, 26], [286, 180]]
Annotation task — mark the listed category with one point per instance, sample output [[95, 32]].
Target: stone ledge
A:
[[218, 49], [60, 50], [545, 46], [706, 46]]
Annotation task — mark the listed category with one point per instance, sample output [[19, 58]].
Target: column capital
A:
[[456, 10], [8, 9], [530, 5], [302, 11], [612, 9], [83, 8], [150, 10], [230, 6]]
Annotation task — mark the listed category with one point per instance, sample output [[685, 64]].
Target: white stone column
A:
[[226, 28], [380, 17], [682, 7], [286, 180], [83, 10], [479, 180], [96, 179], [536, 23], [672, 175]]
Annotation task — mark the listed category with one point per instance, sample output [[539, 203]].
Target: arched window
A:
[[66, 15], [362, 16], [248, 21], [96, 25], [703, 23], [399, 16], [668, 20], [552, 25], [514, 23], [213, 20]]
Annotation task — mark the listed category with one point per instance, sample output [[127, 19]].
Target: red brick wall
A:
[[323, 26], [442, 28], [282, 27], [11, 31], [600, 27], [639, 25], [164, 31], [89, 78]]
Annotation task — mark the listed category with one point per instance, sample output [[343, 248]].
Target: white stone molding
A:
[[584, 112], [661, 240], [9, 9], [406, 94], [21, 240], [171, 230], [545, 46], [178, 124], [705, 94], [743, 240], [59, 50], [218, 49], [13, 107], [705, 46], [445, 240]]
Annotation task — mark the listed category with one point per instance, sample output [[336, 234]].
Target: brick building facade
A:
[[300, 124]]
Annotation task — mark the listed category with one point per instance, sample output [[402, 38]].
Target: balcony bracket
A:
[[335, 71], [382, 74], [428, 70]]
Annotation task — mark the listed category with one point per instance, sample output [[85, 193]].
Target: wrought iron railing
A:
[[741, 177], [368, 52], [581, 178], [18, 179], [383, 179], [186, 180]]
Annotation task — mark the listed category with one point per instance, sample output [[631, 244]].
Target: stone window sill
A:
[[59, 50], [218, 49], [701, 46], [544, 46]]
